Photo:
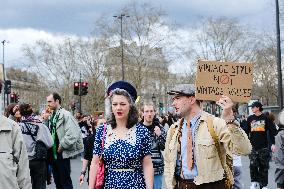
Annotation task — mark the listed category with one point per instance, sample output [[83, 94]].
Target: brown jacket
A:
[[209, 168]]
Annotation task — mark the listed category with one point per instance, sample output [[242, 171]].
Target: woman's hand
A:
[[273, 148], [81, 179], [83, 172], [15, 109]]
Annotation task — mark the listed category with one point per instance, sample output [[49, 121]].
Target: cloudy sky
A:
[[25, 21]]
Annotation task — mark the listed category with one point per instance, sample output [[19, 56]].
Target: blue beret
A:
[[123, 85]]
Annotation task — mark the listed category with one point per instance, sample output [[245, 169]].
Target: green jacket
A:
[[69, 134], [14, 163]]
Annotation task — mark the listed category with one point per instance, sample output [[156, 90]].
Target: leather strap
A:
[[28, 128], [216, 139]]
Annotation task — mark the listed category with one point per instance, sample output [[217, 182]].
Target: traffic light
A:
[[17, 98], [7, 87], [84, 88], [13, 98], [76, 88], [81, 88]]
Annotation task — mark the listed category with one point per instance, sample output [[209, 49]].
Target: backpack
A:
[[40, 147]]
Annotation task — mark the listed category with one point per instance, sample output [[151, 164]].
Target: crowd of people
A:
[[188, 149]]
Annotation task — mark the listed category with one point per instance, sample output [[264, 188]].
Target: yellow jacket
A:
[[209, 168]]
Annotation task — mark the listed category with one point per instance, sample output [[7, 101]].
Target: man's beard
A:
[[149, 120], [183, 113], [52, 108], [179, 114]]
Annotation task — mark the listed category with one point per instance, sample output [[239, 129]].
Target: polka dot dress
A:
[[123, 157]]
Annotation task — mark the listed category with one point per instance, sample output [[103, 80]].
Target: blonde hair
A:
[[148, 103]]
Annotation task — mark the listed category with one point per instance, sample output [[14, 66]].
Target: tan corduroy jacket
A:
[[209, 168]]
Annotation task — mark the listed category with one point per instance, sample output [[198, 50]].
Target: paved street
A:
[[76, 169], [246, 174]]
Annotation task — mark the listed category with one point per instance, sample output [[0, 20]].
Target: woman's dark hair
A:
[[171, 119], [133, 112], [94, 124], [9, 110], [164, 120], [25, 109]]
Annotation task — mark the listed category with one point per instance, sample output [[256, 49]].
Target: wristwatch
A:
[[83, 173]]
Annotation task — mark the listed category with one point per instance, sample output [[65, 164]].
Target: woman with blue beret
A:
[[127, 147]]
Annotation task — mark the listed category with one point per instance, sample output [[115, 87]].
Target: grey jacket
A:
[[69, 134], [14, 164], [279, 150], [39, 131]]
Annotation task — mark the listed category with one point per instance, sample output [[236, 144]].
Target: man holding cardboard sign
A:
[[192, 160]]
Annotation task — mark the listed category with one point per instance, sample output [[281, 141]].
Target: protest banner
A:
[[214, 79]]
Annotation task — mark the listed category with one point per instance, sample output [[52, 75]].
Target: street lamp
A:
[[279, 70], [4, 73], [121, 16]]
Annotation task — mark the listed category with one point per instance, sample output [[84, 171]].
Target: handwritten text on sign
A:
[[217, 78]]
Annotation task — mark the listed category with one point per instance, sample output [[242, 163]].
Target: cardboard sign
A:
[[214, 79]]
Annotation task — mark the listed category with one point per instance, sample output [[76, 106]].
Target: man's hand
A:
[[226, 104], [157, 130], [273, 148], [15, 109], [59, 150]]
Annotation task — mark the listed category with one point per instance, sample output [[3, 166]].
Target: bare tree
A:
[[91, 59], [146, 37], [29, 87], [56, 63], [62, 63], [265, 70], [224, 39], [148, 40]]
